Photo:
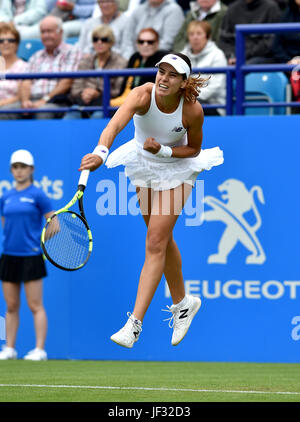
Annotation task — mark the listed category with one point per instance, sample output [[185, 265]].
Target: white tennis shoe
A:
[[182, 317], [8, 353], [36, 354], [129, 334]]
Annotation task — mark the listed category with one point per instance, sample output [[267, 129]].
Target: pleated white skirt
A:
[[162, 174]]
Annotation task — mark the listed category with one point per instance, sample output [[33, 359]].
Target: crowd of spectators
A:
[[116, 34]]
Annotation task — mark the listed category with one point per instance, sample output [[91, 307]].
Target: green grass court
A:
[[124, 381]]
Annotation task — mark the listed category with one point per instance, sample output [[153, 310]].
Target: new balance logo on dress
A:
[[177, 129]]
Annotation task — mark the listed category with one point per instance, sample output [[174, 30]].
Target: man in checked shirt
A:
[[57, 56]]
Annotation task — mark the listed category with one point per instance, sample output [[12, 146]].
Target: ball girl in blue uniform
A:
[[22, 211]]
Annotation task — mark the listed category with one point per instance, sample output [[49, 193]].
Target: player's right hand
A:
[[90, 162]]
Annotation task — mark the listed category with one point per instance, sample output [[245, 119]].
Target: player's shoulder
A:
[[140, 96], [193, 111], [143, 91]]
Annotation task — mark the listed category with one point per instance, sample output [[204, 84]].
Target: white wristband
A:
[[164, 152], [102, 152]]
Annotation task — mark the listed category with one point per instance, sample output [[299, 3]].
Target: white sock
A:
[[182, 302]]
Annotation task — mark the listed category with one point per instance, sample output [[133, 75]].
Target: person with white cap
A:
[[162, 161], [22, 209]]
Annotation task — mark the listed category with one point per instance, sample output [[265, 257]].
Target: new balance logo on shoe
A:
[[129, 334], [183, 313]]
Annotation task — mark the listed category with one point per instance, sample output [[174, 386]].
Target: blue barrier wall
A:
[[243, 260]]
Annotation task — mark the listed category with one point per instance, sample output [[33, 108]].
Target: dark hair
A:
[[194, 83]]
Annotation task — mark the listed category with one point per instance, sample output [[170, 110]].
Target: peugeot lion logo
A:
[[239, 201]]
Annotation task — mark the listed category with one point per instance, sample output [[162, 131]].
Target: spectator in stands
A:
[[185, 5], [147, 55], [295, 83], [258, 46], [203, 52], [73, 13], [211, 11], [110, 15], [22, 211], [286, 45], [286, 48], [165, 16], [123, 6], [57, 56], [9, 89], [88, 91], [50, 4], [23, 14]]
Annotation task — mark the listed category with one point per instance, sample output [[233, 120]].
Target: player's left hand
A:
[[151, 145]]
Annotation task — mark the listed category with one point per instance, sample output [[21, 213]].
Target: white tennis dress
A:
[[145, 169]]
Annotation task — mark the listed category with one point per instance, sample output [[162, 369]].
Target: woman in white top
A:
[[163, 161], [10, 63]]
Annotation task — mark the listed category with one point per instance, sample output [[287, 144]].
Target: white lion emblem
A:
[[239, 201]]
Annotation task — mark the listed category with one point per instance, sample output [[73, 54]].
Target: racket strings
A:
[[67, 241]]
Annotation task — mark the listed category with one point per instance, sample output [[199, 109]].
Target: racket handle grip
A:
[[83, 178]]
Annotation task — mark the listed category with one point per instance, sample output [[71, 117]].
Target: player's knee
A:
[[156, 243]]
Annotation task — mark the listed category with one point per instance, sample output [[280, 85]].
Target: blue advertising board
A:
[[241, 255]]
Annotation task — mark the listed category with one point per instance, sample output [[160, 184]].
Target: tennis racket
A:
[[66, 239]]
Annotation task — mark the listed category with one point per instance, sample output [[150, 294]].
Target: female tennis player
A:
[[162, 161]]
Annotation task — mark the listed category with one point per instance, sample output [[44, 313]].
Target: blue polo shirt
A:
[[23, 212]]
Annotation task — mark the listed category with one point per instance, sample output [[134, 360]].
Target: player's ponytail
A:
[[193, 87], [194, 82]]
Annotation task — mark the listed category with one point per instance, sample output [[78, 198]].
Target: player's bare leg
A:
[[166, 207], [161, 254], [173, 263]]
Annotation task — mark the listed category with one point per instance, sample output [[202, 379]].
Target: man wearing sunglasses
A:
[[165, 16]]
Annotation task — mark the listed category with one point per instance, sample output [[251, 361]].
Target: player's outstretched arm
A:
[[137, 101]]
